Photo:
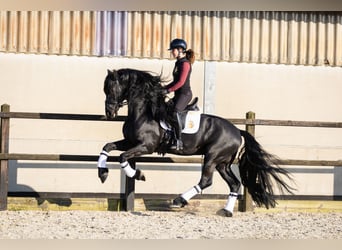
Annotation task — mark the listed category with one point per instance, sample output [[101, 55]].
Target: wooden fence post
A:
[[129, 190], [4, 147], [247, 204]]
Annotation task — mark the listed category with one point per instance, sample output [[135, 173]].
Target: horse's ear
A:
[[112, 74]]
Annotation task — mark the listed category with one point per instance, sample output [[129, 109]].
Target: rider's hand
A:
[[165, 91]]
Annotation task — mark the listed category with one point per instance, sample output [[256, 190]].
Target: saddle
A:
[[192, 106], [190, 123]]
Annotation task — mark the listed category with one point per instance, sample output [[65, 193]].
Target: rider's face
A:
[[175, 52]]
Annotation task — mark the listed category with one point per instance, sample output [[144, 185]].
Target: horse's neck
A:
[[136, 109], [139, 109]]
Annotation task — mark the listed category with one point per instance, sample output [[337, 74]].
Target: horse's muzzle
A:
[[110, 114], [112, 109]]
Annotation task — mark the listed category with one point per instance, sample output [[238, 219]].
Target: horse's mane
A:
[[146, 85]]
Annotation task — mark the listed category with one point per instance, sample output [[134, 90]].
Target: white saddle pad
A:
[[192, 123]]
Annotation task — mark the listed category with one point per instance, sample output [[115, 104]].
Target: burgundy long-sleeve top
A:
[[181, 76]]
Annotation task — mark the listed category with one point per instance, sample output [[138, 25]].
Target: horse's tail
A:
[[257, 170]]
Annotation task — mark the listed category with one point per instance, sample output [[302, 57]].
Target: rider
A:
[[180, 85]]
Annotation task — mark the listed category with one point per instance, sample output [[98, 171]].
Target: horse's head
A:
[[115, 92]]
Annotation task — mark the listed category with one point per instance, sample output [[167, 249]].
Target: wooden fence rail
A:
[[250, 122]]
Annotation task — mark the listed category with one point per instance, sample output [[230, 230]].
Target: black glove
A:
[[165, 91]]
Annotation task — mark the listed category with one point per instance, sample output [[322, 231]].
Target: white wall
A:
[[68, 84]]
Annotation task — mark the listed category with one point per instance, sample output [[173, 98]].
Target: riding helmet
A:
[[178, 43]]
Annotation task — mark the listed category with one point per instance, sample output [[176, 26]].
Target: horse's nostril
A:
[[109, 114]]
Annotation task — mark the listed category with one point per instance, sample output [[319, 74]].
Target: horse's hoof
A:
[[225, 213], [103, 174], [139, 175], [179, 202]]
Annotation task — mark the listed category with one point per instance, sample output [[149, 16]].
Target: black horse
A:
[[217, 139]]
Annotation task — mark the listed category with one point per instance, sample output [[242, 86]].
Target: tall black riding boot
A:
[[178, 132]]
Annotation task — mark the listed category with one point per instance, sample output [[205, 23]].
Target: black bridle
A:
[[114, 105], [119, 104]]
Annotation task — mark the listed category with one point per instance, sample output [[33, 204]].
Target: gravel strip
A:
[[167, 225]]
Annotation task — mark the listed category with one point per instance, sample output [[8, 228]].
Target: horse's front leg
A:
[[130, 152], [122, 145], [136, 151]]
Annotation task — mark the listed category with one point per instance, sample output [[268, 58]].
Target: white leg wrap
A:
[[130, 172], [231, 202], [101, 163], [191, 193]]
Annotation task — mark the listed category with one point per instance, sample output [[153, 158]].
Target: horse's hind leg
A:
[[205, 181], [234, 186]]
